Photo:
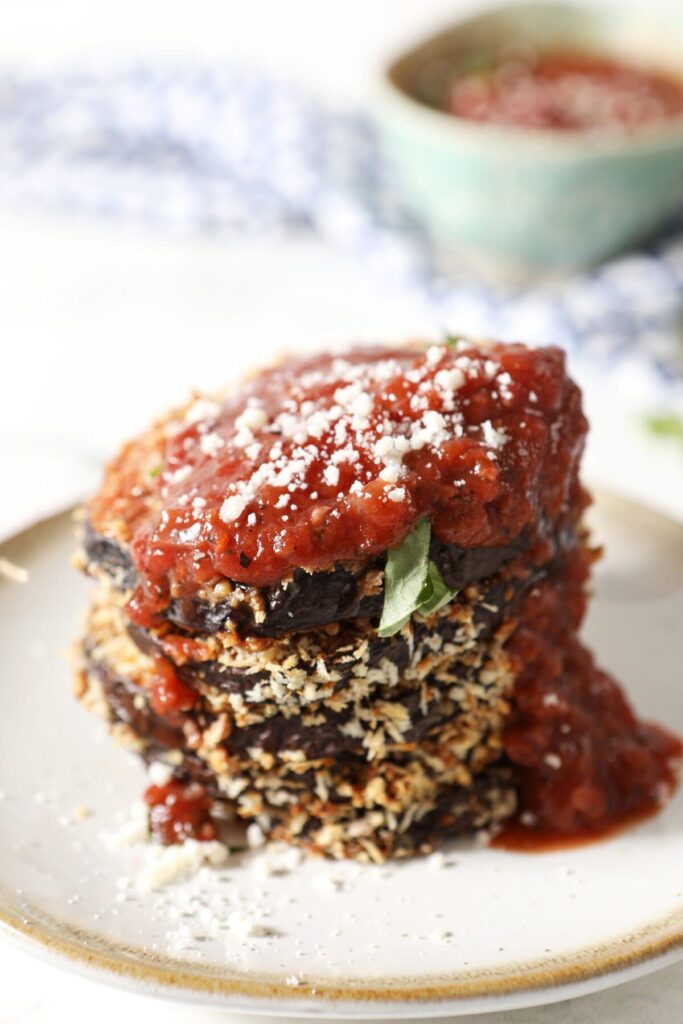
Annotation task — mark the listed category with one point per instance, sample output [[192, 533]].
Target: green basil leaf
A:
[[412, 583], [405, 576], [435, 594]]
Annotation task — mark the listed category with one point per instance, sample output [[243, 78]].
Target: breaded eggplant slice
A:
[[272, 510]]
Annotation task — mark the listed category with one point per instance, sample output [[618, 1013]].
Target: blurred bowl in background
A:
[[523, 201]]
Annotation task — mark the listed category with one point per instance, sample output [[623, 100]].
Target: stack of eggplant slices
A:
[[340, 602]]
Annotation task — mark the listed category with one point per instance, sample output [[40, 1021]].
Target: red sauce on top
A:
[[564, 91], [179, 811], [332, 459], [587, 765]]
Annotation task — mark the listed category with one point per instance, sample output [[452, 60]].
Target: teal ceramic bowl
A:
[[526, 202]]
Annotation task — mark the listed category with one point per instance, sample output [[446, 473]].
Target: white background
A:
[[102, 326]]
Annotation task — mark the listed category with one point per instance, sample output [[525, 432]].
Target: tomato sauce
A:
[[587, 765], [333, 459], [168, 693], [179, 811], [563, 91]]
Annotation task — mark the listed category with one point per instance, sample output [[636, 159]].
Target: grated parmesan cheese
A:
[[232, 508], [159, 774], [166, 864], [331, 475]]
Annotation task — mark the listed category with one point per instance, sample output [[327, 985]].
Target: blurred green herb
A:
[[668, 425], [155, 471]]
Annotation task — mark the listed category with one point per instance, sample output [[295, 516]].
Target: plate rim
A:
[[640, 952], [544, 980]]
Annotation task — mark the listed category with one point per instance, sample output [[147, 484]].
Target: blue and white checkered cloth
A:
[[215, 149]]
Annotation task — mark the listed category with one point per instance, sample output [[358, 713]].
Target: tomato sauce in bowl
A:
[[555, 90]]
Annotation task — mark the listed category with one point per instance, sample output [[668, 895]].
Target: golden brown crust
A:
[[411, 750]]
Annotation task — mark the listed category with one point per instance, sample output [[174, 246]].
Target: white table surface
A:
[[80, 303]]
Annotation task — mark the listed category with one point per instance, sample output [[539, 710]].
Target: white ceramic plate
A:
[[486, 930]]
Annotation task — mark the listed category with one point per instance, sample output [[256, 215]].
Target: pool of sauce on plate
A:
[[518, 838], [587, 765]]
